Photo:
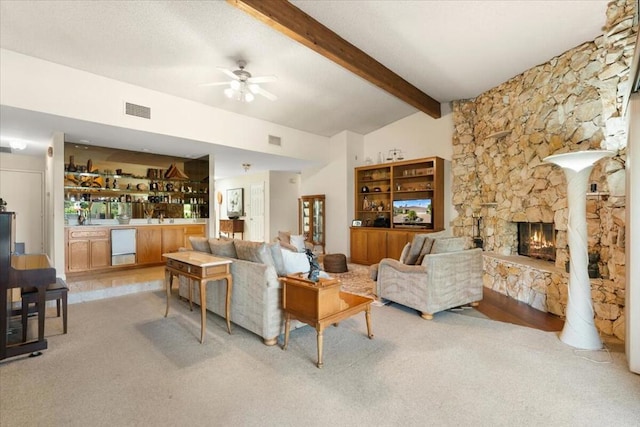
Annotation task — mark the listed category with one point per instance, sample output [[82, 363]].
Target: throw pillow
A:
[[295, 262], [223, 247], [426, 249], [284, 236], [297, 240], [448, 244], [200, 244], [403, 255], [416, 247], [288, 246], [278, 260]]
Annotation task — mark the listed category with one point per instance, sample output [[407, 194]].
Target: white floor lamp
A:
[[579, 329]]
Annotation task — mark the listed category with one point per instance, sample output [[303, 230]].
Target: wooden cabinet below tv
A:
[[370, 244]]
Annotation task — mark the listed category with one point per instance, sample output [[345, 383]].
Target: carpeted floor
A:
[[123, 363]]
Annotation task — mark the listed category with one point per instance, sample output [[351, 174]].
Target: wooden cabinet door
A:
[[78, 255], [368, 246], [396, 242], [358, 246], [172, 239], [376, 245], [192, 230], [149, 245], [100, 253]]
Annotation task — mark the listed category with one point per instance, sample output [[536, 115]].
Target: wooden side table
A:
[[199, 267], [232, 226], [320, 304]]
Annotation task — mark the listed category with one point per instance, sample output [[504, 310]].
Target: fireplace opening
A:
[[537, 240]]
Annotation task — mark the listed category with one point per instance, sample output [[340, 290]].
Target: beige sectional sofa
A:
[[256, 297]]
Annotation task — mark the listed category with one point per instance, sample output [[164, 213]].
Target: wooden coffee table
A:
[[199, 267], [320, 304]]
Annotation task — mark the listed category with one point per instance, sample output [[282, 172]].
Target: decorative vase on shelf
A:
[[72, 165], [380, 159]]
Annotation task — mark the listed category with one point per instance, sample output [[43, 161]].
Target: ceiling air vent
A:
[[137, 110], [5, 150], [275, 140]]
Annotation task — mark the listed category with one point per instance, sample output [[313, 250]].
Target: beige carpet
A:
[[124, 364]]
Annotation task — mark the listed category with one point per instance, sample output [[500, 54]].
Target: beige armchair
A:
[[445, 277]]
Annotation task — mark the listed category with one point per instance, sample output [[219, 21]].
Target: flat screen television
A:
[[412, 213]]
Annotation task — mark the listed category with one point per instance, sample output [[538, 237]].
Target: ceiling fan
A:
[[242, 85]]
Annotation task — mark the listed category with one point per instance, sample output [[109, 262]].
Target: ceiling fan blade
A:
[[262, 79], [214, 84], [229, 73], [266, 94]]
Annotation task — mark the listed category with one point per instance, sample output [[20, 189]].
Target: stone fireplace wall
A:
[[571, 103]]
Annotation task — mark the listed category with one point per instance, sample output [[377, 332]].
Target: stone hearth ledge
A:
[[525, 279]]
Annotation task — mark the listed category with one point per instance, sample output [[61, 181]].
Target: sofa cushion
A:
[[295, 262], [278, 260], [200, 244], [253, 251], [223, 247], [416, 247], [448, 244], [297, 240]]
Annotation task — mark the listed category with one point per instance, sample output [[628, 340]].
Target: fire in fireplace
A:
[[537, 240]]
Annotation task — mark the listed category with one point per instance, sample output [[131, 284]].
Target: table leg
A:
[[367, 316], [167, 280], [192, 283], [320, 340], [41, 311], [203, 309], [227, 308], [287, 324]]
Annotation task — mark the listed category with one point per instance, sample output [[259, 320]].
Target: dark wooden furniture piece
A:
[[311, 219], [199, 267], [55, 292], [335, 263], [320, 304], [232, 226]]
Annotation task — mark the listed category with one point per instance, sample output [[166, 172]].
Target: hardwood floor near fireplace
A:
[[497, 306]]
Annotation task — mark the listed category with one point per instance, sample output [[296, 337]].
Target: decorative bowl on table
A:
[[123, 219]]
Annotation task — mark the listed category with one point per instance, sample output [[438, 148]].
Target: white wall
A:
[[418, 136], [632, 250], [37, 85], [284, 190], [335, 181], [243, 181]]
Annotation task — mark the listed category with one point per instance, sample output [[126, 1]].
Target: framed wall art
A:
[[235, 203]]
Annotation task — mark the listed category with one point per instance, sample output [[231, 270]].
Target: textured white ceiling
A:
[[448, 49]]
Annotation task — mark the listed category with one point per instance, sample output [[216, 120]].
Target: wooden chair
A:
[[55, 291]]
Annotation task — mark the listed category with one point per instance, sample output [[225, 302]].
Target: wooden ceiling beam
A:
[[293, 22]]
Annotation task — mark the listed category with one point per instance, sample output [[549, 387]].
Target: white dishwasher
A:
[[123, 246]]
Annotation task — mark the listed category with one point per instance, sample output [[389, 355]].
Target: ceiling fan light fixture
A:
[[17, 145], [228, 92], [235, 84], [248, 97]]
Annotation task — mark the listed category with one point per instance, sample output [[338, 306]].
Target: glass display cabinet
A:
[[311, 220]]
